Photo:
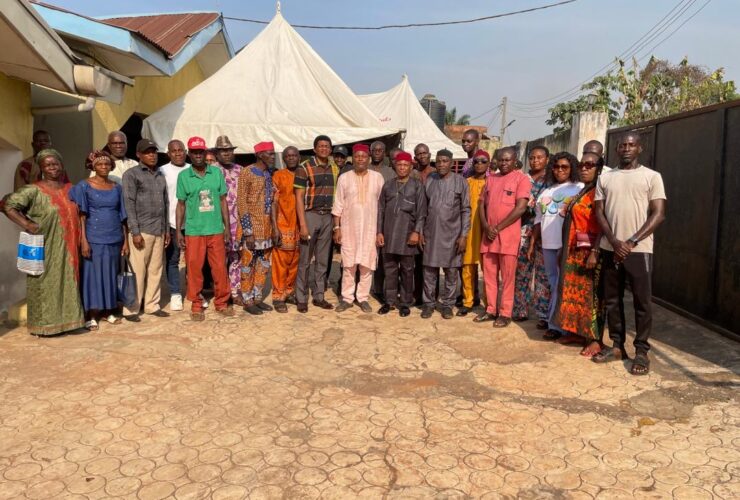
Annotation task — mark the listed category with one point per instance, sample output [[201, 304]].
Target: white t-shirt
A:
[[116, 175], [550, 212], [627, 194], [171, 172]]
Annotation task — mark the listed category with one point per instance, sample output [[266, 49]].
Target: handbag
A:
[[585, 240], [31, 253], [126, 283]]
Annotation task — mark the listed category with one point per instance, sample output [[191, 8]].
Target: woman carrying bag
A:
[[44, 207], [103, 239]]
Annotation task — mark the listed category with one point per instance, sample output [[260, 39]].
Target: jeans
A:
[[552, 268], [172, 257]]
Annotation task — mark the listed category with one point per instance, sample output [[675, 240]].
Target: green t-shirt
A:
[[202, 197]]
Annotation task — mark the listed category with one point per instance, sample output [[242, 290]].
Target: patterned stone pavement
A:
[[357, 405]]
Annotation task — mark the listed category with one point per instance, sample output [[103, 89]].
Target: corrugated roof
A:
[[169, 32]]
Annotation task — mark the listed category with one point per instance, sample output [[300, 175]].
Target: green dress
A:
[[53, 298]]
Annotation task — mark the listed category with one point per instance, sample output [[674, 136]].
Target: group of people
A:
[[561, 239]]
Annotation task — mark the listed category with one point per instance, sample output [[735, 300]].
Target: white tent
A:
[[398, 108], [276, 89]]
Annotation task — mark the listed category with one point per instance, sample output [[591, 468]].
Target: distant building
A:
[[435, 108]]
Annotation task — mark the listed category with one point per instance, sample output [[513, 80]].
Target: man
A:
[[525, 268], [315, 180], [596, 148], [355, 214], [204, 215], [225, 156], [445, 233], [503, 202], [117, 146], [401, 213], [379, 163], [28, 171], [423, 160], [471, 257], [177, 155], [257, 231], [630, 205], [147, 206], [340, 155], [285, 254], [469, 143]]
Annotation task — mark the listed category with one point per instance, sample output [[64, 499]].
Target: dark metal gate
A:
[[697, 248]]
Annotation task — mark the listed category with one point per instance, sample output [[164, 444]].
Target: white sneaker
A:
[[206, 303], [176, 302]]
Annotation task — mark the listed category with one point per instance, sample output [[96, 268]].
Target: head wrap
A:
[[403, 156], [445, 152], [96, 156], [44, 153], [264, 146], [482, 152], [360, 147]]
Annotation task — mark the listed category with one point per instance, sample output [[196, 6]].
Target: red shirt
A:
[[499, 198]]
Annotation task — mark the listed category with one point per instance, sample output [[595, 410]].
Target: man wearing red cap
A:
[[471, 257], [257, 231], [503, 202], [355, 215], [202, 211], [402, 209]]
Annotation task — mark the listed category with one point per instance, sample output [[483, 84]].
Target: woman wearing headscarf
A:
[[102, 239], [579, 310], [44, 207]]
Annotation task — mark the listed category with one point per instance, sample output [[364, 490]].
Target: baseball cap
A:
[[196, 143], [145, 144]]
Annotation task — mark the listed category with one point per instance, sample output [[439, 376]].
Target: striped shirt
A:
[[318, 181]]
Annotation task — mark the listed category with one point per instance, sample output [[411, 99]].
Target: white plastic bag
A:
[[31, 254]]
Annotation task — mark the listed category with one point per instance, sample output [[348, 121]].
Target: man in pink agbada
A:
[[355, 214], [502, 204]]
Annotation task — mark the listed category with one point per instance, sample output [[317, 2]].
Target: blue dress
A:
[[105, 212]]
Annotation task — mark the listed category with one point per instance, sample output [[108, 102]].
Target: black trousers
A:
[[638, 269], [378, 288], [392, 264]]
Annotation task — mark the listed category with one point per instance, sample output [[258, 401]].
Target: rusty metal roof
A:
[[169, 32]]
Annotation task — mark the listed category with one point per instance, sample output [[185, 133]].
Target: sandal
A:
[[551, 335], [640, 365], [197, 316], [591, 350], [91, 325], [608, 355], [113, 320], [483, 317], [501, 322]]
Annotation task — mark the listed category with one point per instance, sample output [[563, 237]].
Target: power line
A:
[[664, 23], [410, 25]]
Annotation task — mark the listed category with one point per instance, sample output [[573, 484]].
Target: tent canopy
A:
[[276, 89], [398, 108]]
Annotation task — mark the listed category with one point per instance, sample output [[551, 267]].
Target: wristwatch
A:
[[336, 228], [634, 241]]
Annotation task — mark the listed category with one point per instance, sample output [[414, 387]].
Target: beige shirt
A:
[[116, 175], [627, 195]]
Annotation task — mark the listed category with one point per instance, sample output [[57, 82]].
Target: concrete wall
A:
[[149, 94], [587, 126]]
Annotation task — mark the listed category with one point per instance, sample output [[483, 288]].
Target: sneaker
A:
[[205, 302], [176, 302]]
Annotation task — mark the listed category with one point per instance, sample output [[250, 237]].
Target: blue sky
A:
[[529, 57]]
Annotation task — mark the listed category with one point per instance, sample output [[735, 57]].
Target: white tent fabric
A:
[[398, 108], [276, 89]]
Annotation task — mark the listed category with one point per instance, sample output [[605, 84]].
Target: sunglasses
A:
[[561, 167], [481, 160], [587, 165]]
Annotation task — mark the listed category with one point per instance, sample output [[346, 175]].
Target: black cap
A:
[[444, 152], [145, 144], [340, 150]]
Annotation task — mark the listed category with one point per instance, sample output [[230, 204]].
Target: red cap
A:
[[403, 156], [482, 152], [197, 143], [361, 147], [264, 146]]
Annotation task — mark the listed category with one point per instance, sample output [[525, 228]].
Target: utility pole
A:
[[503, 119]]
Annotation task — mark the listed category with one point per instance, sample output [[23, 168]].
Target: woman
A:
[[103, 238], [561, 180], [579, 310], [44, 207]]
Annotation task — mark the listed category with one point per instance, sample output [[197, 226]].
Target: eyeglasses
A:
[[561, 167], [587, 165], [481, 160]]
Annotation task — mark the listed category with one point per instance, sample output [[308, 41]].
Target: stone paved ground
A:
[[357, 405]]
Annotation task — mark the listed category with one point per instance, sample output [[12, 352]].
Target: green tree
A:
[[452, 119], [635, 94]]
